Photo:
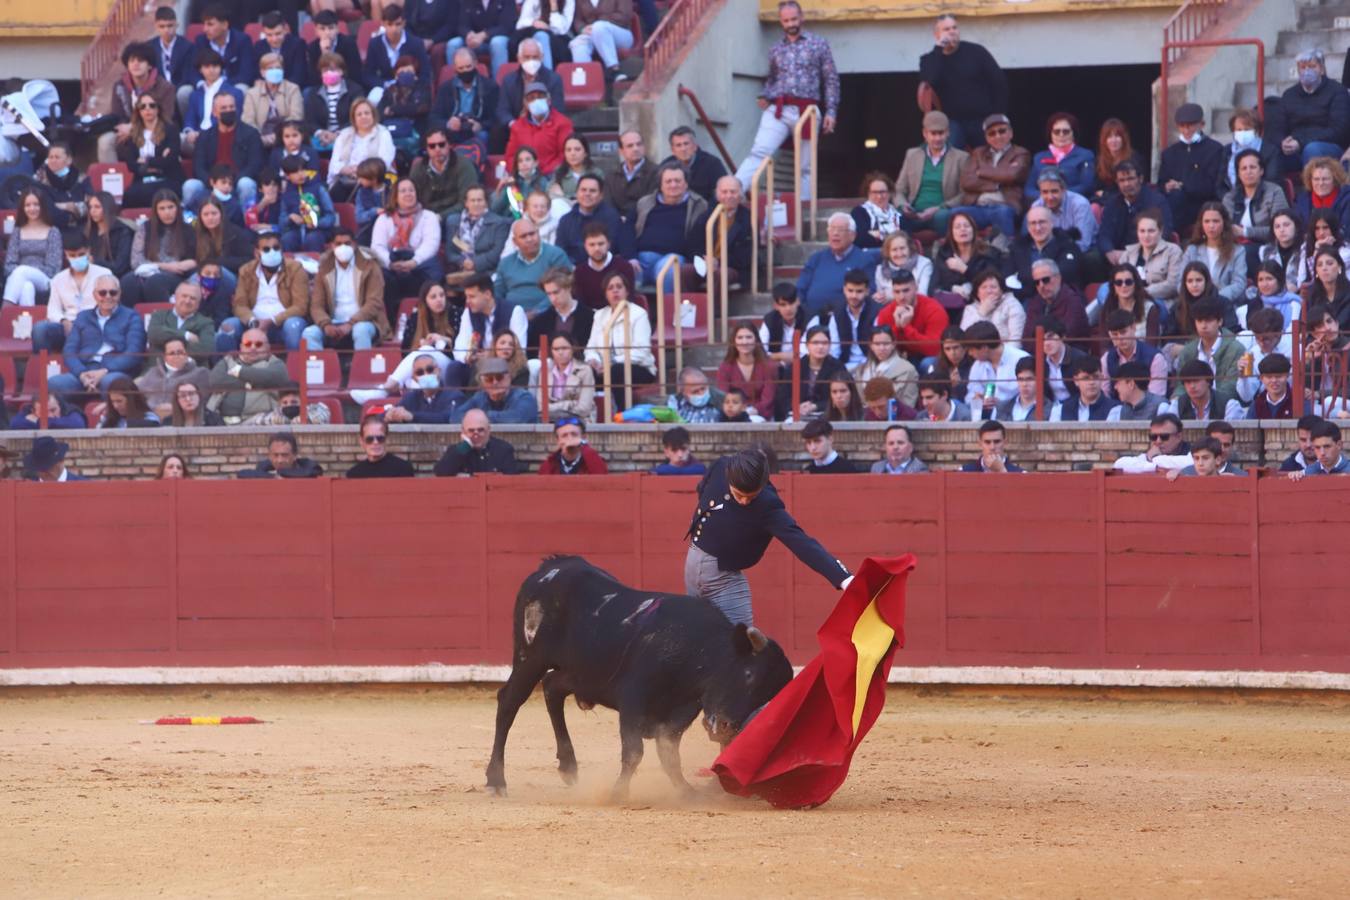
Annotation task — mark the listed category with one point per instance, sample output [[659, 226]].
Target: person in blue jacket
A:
[[1075, 162], [104, 342], [307, 216]]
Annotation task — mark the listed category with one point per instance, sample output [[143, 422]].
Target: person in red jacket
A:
[[541, 128], [916, 321], [574, 456]]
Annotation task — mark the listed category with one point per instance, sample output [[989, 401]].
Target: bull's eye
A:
[[749, 676]]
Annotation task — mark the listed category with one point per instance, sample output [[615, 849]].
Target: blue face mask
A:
[[62, 172], [406, 78], [271, 258], [274, 76], [700, 399], [538, 107], [429, 382], [208, 283], [80, 263], [222, 197]]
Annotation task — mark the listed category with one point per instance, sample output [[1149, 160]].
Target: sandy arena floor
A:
[[379, 792]]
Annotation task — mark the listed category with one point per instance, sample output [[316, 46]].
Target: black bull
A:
[[657, 659]]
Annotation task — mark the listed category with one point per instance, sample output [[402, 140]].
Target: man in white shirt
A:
[[72, 291], [1166, 450], [484, 318], [347, 306], [993, 374]]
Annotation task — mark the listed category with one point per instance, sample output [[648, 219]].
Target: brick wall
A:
[[1043, 447]]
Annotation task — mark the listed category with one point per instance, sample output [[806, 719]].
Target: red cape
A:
[[797, 751]]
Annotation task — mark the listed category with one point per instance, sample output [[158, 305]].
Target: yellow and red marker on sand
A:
[[206, 720]]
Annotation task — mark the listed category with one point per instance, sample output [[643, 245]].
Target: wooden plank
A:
[[1022, 636], [1175, 571], [1162, 537], [273, 587], [409, 632], [1183, 502], [109, 619], [1023, 601], [995, 570], [289, 635], [1150, 637], [1312, 573], [1303, 637], [1199, 603]]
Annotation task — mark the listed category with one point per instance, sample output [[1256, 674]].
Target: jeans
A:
[[496, 51], [363, 336], [195, 188], [774, 132], [1307, 152], [938, 223], [1000, 217], [25, 283], [651, 263], [965, 134], [606, 39], [49, 336], [289, 332], [66, 384], [303, 240]]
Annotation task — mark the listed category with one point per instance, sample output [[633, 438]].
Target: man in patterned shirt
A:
[[801, 68]]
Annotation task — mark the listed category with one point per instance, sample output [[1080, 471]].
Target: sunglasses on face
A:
[[1123, 282], [437, 145], [1045, 280], [1156, 437], [431, 371], [253, 345], [999, 130], [107, 292], [148, 106], [375, 438], [1061, 131]]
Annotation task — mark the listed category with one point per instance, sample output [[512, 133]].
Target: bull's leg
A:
[[557, 688], [630, 739], [668, 749], [524, 676]]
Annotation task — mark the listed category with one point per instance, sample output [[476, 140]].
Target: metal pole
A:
[[544, 359]]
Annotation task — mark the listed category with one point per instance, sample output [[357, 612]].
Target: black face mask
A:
[[228, 119], [467, 77], [292, 411]]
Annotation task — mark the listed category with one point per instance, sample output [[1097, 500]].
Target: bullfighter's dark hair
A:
[[748, 471]]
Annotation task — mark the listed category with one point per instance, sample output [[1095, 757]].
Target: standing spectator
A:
[[991, 303], [104, 342], [540, 127], [242, 383], [1252, 205], [387, 48], [603, 27], [571, 383], [442, 177], [1071, 211], [379, 462], [1315, 114], [110, 239], [163, 253], [1212, 244], [347, 305], [702, 169], [916, 321], [898, 454], [747, 367], [478, 452], [574, 456], [1042, 241], [234, 47], [519, 275], [875, 219], [935, 394], [1076, 164], [72, 292], [46, 461], [283, 460], [502, 403], [1326, 446], [1053, 297], [993, 374], [824, 459], [1190, 169], [929, 184], [801, 74], [1127, 347], [272, 296], [969, 83], [474, 238], [485, 316], [1324, 192], [126, 407], [993, 457], [960, 255], [229, 143], [1131, 384], [1155, 260], [1090, 403], [465, 105], [407, 244], [363, 139], [1113, 148], [35, 253], [633, 178], [272, 100], [328, 106], [307, 215], [992, 178], [170, 52], [591, 208], [1121, 207], [1246, 128], [883, 362], [851, 322], [679, 461], [140, 79], [429, 400], [900, 251], [1022, 406], [821, 281], [151, 150], [184, 322], [485, 24], [511, 98]]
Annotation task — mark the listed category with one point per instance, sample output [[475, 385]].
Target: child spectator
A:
[[221, 180], [265, 215], [679, 461], [371, 197], [734, 406], [307, 216], [1275, 400], [291, 143], [1205, 456], [818, 436]]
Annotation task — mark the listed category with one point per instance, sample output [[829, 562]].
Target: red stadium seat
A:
[[193, 30], [16, 327], [506, 69], [32, 371], [254, 31], [98, 172], [583, 84], [405, 310], [346, 214], [490, 182], [697, 332], [364, 34], [334, 409], [320, 370], [146, 310], [370, 368], [378, 407], [9, 374], [782, 232], [1090, 292]]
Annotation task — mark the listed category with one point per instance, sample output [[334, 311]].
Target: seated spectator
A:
[[1314, 114], [407, 244], [1326, 447], [1090, 403], [272, 100], [679, 461], [328, 108], [502, 403], [541, 127], [478, 452], [1132, 386], [430, 327], [1127, 347], [104, 342], [991, 179], [1125, 291], [1190, 169], [696, 402], [1324, 189], [1212, 244], [442, 177], [786, 319], [824, 459], [1166, 449], [242, 382], [1272, 294], [960, 255], [363, 139], [330, 40], [405, 104], [929, 184], [1042, 241], [1246, 128], [1195, 396], [736, 408], [291, 142], [1323, 359], [1022, 407], [288, 410], [666, 225], [935, 394], [1054, 298], [35, 252], [273, 295], [1070, 211], [1060, 359], [229, 142], [1206, 461], [126, 407], [1329, 285], [883, 362], [221, 182], [189, 410], [993, 374], [46, 461], [170, 52], [851, 322], [591, 209], [110, 239], [217, 292], [990, 302], [571, 383], [900, 251], [283, 460], [703, 170], [59, 415], [387, 48], [378, 462], [1303, 457], [1077, 164], [196, 104], [747, 367], [621, 332], [465, 105], [916, 321], [1113, 148], [1215, 347], [576, 164], [217, 239], [486, 28], [307, 215], [898, 454], [278, 36], [993, 457], [1274, 400], [518, 275], [506, 347], [875, 219], [172, 368], [565, 315], [474, 238], [880, 403], [1158, 262], [821, 281], [72, 291], [429, 400], [952, 360], [347, 305], [1121, 210], [604, 27], [1265, 335], [484, 317], [1324, 233], [1252, 205], [140, 79], [265, 214], [818, 368], [633, 178], [846, 404], [735, 218], [574, 456], [62, 183]]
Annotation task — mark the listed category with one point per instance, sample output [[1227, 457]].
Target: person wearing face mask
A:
[[696, 401], [1189, 171], [428, 399], [66, 188], [347, 307], [405, 104], [1314, 115], [328, 107], [72, 292], [273, 296], [286, 410], [1248, 134], [466, 104], [272, 100], [231, 143], [511, 99], [378, 461], [540, 127]]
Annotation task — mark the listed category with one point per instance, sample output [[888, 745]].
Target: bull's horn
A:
[[758, 640]]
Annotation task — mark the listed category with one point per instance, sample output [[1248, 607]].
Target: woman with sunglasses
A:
[[1076, 163], [151, 150], [1125, 291], [379, 462]]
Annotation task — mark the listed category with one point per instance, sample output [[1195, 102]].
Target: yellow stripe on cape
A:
[[871, 638]]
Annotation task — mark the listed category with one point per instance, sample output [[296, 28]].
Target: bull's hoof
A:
[[569, 776], [496, 790]]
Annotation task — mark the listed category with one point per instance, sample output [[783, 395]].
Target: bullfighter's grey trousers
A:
[[728, 591]]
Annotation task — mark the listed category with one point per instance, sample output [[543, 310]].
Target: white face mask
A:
[[344, 253], [1243, 138], [532, 66]]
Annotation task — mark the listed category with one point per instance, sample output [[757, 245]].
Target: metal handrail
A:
[[717, 220], [671, 261], [708, 126], [765, 166], [669, 39], [1163, 130], [1191, 19], [627, 361], [106, 47], [810, 114]]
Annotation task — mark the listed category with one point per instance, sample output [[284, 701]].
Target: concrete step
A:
[[1244, 93], [796, 253], [1331, 41], [1323, 16]]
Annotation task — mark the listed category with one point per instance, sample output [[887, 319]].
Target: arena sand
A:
[[379, 792]]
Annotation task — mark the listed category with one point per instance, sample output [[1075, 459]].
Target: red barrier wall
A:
[[1077, 571]]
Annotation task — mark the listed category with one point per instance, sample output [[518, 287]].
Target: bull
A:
[[657, 659]]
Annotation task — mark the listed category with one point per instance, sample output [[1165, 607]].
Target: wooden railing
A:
[[106, 48]]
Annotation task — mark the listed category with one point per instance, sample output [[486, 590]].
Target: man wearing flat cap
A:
[[502, 403], [992, 178], [1190, 168], [46, 461], [540, 127]]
